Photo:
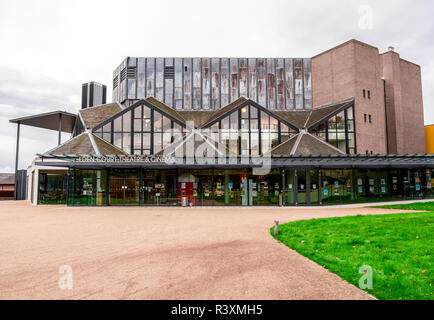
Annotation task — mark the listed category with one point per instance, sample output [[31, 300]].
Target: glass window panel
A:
[[340, 121], [245, 145], [265, 121], [245, 113], [166, 124], [253, 112], [137, 140], [158, 121], [117, 140], [137, 125], [126, 122], [157, 142], [265, 141], [107, 127], [146, 125], [234, 121], [350, 125], [274, 124], [225, 123], [332, 124], [146, 112], [253, 124], [117, 124], [244, 124], [284, 128], [106, 136], [167, 138], [138, 113], [350, 113], [254, 142], [274, 137], [126, 142], [147, 141]]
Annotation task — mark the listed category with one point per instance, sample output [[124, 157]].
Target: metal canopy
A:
[[50, 121], [296, 161]]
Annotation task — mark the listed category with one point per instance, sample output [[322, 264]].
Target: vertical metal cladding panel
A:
[[197, 83], [132, 80], [280, 81], [262, 83], [298, 83], [224, 84], [178, 83], [215, 83], [168, 85], [206, 83], [141, 83], [150, 77], [243, 76], [252, 78], [289, 84], [123, 83], [159, 79], [307, 83], [188, 84], [116, 73], [271, 84], [234, 79]]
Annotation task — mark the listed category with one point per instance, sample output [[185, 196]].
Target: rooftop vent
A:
[[390, 48], [169, 72]]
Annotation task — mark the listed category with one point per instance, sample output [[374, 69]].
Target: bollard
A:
[[276, 228]]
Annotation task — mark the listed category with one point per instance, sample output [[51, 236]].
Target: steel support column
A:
[[16, 160], [60, 129]]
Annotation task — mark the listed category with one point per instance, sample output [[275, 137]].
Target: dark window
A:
[[370, 119], [364, 116], [367, 152], [364, 93], [369, 94]]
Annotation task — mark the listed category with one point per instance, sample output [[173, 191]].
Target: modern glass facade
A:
[[52, 187], [240, 187]]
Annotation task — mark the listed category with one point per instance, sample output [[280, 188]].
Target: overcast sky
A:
[[49, 48]]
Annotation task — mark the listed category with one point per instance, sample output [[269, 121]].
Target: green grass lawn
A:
[[399, 248]]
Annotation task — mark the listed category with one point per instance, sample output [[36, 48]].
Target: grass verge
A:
[[399, 249]]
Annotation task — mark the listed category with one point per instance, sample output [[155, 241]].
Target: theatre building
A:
[[344, 126]]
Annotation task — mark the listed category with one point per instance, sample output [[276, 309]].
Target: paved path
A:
[[163, 253]]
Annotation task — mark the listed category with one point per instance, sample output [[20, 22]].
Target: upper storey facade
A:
[[213, 83]]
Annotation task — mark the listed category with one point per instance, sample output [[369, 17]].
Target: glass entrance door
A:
[[301, 185], [124, 192]]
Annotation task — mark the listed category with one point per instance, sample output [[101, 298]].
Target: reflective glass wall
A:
[[52, 187], [235, 187], [339, 131]]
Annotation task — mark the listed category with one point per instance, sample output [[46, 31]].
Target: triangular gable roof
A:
[[166, 109], [225, 110], [305, 143], [83, 144], [93, 116], [324, 113]]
